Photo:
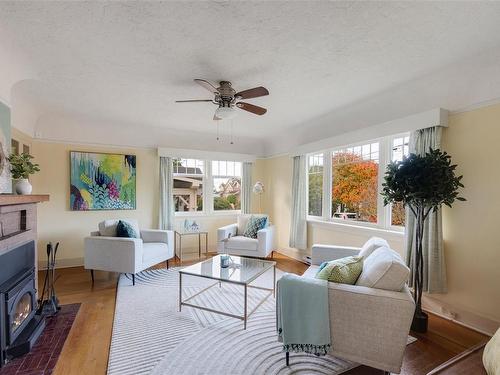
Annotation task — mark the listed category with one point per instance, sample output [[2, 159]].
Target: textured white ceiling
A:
[[128, 61]]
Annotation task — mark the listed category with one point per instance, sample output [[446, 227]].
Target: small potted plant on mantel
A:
[[21, 167]]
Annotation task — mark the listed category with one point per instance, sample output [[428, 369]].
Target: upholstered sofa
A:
[[106, 252], [369, 325], [230, 239]]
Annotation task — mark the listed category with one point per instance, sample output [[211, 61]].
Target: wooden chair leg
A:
[[133, 279], [167, 264], [92, 275], [288, 358]]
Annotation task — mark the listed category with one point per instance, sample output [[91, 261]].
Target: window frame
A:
[[383, 212], [213, 176], [208, 193]]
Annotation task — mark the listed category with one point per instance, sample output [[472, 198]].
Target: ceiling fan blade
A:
[[217, 118], [194, 101], [206, 84], [252, 93], [251, 108]]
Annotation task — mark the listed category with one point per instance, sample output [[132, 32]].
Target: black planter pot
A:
[[419, 323]]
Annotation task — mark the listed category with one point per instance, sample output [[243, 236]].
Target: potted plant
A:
[[21, 167], [423, 184]]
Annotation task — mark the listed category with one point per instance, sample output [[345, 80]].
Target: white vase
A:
[[23, 186]]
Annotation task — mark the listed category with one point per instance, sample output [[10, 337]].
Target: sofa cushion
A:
[[384, 269], [344, 270], [125, 229], [153, 250], [242, 243], [371, 245], [243, 219], [107, 228], [254, 224]]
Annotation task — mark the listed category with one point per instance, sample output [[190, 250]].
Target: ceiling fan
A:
[[227, 99]]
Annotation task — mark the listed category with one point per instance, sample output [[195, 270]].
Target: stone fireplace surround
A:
[[19, 326]]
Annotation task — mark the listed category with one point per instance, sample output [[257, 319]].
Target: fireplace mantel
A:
[[10, 199]]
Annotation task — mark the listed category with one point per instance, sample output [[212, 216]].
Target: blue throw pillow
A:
[[124, 229], [254, 224]]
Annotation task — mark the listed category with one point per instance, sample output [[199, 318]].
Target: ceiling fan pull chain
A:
[[218, 130], [232, 132]]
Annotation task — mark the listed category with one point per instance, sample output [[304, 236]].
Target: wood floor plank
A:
[[86, 349]]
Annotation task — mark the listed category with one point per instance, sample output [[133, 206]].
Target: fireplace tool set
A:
[[50, 305]]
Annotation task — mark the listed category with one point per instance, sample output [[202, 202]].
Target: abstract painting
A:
[[5, 178], [102, 181]]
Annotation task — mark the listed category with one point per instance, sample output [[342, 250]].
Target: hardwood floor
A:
[[87, 346]]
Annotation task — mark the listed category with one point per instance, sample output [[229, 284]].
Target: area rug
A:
[[150, 335], [43, 358]]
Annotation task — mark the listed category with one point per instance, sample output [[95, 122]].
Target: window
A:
[[188, 185], [315, 186], [400, 149], [355, 183], [226, 177], [344, 183]]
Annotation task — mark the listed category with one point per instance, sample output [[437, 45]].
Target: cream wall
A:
[[471, 241], [56, 222]]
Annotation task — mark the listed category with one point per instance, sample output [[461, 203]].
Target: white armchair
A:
[[367, 325], [105, 252], [230, 239]]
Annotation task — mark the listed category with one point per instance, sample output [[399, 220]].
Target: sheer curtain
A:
[[434, 269], [246, 188], [166, 220], [298, 227]]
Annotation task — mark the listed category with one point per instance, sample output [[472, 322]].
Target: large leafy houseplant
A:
[[423, 184]]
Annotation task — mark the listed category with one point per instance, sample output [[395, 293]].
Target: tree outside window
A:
[[355, 183]]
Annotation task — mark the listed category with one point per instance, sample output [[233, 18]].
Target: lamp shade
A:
[[258, 188]]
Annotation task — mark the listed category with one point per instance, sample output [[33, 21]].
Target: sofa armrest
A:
[[370, 326], [265, 237], [325, 253], [115, 254], [223, 233], [158, 235]]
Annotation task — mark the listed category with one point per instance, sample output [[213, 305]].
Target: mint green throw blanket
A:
[[302, 314]]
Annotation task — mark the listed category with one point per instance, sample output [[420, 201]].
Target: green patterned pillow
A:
[[344, 270], [254, 224]]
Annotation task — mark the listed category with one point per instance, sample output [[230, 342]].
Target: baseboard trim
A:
[[62, 263], [460, 316], [296, 254]]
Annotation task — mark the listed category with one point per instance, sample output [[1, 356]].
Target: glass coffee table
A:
[[243, 271]]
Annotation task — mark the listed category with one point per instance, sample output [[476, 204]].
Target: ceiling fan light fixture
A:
[[225, 113]]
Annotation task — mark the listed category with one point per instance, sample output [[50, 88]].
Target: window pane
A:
[[227, 193], [188, 193], [188, 166], [315, 174], [400, 149], [354, 184]]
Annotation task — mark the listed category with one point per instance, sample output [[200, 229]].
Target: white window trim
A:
[[383, 225], [208, 195]]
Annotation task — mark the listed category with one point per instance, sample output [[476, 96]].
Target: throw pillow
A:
[[344, 270], [384, 269], [371, 245], [124, 229], [254, 224]]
